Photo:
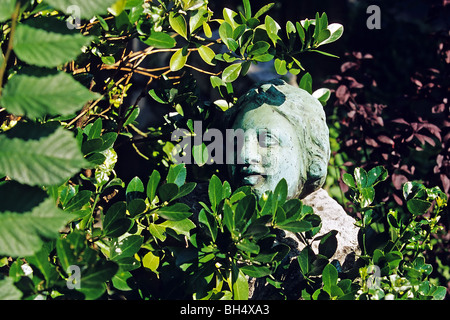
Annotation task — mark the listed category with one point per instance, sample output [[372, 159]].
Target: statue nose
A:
[[250, 151]]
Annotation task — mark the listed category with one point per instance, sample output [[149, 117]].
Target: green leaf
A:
[[248, 246], [376, 175], [280, 66], [84, 8], [360, 178], [306, 82], [39, 154], [324, 53], [418, 207], [167, 191], [280, 193], [117, 7], [207, 219], [178, 211], [258, 48], [159, 40], [231, 73], [152, 185], [122, 281], [322, 94], [215, 192], [178, 59], [182, 227], [329, 277], [296, 226], [115, 222], [135, 189], [367, 196], [177, 174], [207, 54], [125, 247], [256, 271], [150, 261], [228, 16], [272, 28], [244, 211], [197, 19], [136, 207], [8, 7], [247, 9], [305, 259], [8, 291], [50, 94], [200, 154], [178, 23], [349, 180], [263, 10], [28, 217], [328, 244], [336, 30], [46, 42], [226, 34], [239, 285]]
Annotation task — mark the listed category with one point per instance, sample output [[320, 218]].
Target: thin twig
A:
[[14, 17]]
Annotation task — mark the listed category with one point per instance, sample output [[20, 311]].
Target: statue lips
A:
[[252, 176]]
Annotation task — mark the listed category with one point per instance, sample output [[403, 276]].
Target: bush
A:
[[71, 227]]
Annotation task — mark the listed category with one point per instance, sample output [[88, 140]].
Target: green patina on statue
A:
[[285, 136]]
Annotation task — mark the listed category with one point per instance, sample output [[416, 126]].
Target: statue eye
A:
[[266, 139]]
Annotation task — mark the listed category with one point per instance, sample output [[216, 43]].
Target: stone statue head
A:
[[284, 135]]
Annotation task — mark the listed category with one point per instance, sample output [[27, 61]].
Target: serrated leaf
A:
[[28, 217], [46, 42], [50, 94], [39, 154], [83, 8], [178, 60]]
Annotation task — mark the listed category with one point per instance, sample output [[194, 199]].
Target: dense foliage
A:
[[75, 225]]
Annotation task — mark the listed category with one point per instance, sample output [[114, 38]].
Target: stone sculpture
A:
[[286, 136]]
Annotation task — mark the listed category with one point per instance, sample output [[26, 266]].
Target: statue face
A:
[[270, 151]]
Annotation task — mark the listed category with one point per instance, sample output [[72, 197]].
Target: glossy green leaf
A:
[[177, 174], [306, 82], [214, 192], [178, 211], [39, 154], [167, 191], [272, 28], [329, 277], [305, 260], [263, 10], [247, 9], [328, 244], [159, 40], [125, 247], [360, 178], [418, 207], [231, 73], [239, 286], [376, 175], [47, 94], [182, 227], [135, 189], [152, 184], [178, 23], [178, 59], [207, 54], [336, 30], [229, 16], [244, 210], [296, 226], [197, 19], [349, 180], [280, 66], [322, 94], [200, 154], [207, 219], [258, 48], [150, 261]]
